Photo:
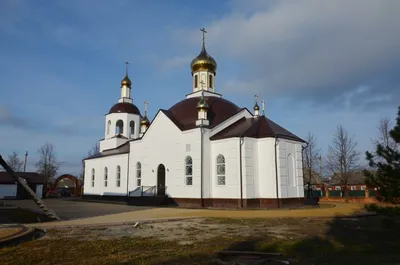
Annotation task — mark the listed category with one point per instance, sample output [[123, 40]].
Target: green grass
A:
[[369, 240], [23, 216]]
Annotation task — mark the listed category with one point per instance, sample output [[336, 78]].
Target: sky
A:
[[317, 65]]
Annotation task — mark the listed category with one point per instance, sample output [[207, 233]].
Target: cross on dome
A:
[[204, 34], [126, 63]]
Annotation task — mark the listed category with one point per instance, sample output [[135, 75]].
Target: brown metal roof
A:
[[31, 178], [124, 107], [122, 149], [260, 127], [184, 113]]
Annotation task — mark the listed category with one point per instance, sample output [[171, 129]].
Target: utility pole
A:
[[26, 158]]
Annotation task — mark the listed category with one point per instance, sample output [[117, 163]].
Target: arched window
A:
[[290, 170], [221, 169], [189, 170], [119, 128], [118, 176], [138, 174], [210, 81], [105, 176], [195, 81], [108, 127], [93, 174], [132, 127]]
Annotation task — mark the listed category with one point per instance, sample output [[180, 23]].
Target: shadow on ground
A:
[[361, 240]]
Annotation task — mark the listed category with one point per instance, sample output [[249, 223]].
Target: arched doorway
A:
[[161, 180], [69, 182]]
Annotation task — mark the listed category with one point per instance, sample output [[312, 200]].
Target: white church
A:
[[204, 151]]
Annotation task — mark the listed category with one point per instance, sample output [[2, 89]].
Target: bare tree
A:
[[47, 165], [93, 151], [383, 138], [15, 163], [310, 161], [342, 158]]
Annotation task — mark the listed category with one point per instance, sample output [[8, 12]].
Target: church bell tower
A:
[[123, 119]]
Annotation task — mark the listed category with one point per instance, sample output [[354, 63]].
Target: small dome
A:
[[145, 121], [202, 104], [124, 107], [126, 81], [256, 107], [203, 62]]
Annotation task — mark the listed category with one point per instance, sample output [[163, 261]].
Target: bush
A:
[[388, 210]]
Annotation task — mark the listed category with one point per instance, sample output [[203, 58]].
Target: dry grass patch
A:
[[302, 240]]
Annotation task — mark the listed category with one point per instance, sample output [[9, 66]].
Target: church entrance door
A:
[[161, 180]]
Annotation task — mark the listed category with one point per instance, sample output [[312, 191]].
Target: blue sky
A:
[[316, 63]]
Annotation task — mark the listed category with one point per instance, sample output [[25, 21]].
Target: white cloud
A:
[[304, 47]]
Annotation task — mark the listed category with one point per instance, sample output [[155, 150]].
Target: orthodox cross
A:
[[145, 107], [202, 84], [256, 97], [126, 63], [263, 106], [204, 33]]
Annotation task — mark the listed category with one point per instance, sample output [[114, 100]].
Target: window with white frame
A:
[[118, 176], [93, 174], [138, 174], [363, 187], [337, 188], [189, 170], [105, 176], [221, 170], [353, 187]]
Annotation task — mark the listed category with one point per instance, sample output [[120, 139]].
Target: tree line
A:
[[47, 164], [342, 160]]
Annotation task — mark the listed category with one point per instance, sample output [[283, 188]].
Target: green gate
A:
[[335, 193], [357, 193]]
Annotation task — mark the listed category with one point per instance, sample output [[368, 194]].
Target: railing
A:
[[148, 191]]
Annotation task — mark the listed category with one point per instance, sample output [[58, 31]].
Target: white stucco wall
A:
[[290, 169], [39, 191], [165, 144], [109, 142], [8, 190], [99, 164], [229, 148], [266, 168]]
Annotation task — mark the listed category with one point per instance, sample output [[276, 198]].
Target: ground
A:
[[69, 209], [367, 240], [329, 235]]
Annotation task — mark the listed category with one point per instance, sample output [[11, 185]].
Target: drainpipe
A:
[[276, 171], [127, 177], [201, 165], [241, 141], [302, 161]]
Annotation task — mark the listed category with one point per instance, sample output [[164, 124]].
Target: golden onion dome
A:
[[145, 121], [126, 81], [256, 107], [203, 62]]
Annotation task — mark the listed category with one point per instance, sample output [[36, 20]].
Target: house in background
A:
[[9, 189]]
